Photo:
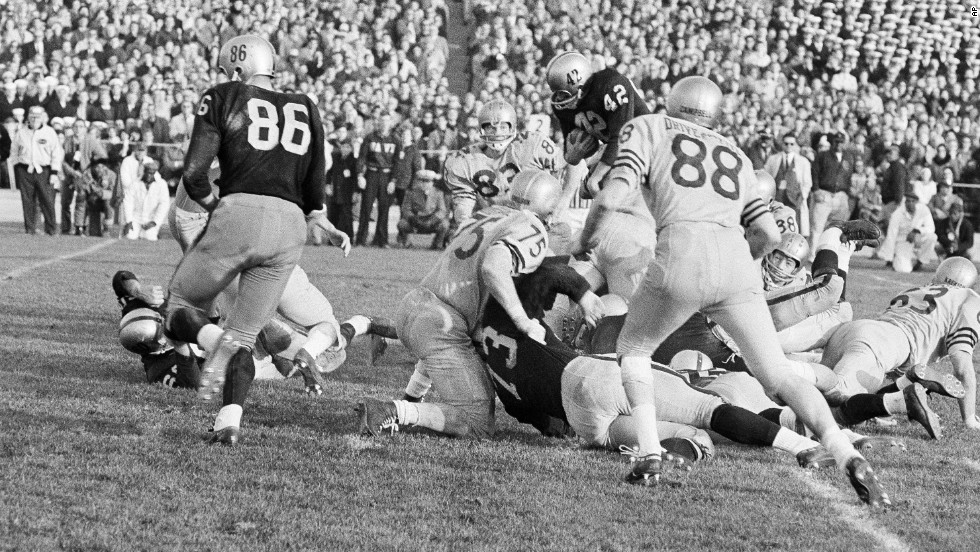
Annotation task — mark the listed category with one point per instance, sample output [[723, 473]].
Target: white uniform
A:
[[699, 187], [785, 217], [919, 325], [437, 320], [477, 180]]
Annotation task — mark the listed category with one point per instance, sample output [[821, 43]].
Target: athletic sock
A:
[[890, 388], [230, 415], [792, 442], [361, 324], [894, 403], [840, 446], [825, 262], [742, 426], [861, 407], [238, 380], [418, 385], [384, 327], [316, 343], [646, 430], [408, 412]]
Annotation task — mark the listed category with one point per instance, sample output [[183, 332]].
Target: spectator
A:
[[39, 155], [73, 186], [865, 190], [101, 187], [61, 104], [831, 173], [342, 184], [761, 150], [894, 182], [924, 186], [794, 182], [374, 165], [5, 145], [955, 233], [408, 165], [911, 237], [145, 203], [182, 124], [424, 211]]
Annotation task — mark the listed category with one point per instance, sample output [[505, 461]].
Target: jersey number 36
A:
[[264, 132]]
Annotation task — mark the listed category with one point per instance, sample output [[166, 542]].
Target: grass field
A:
[[92, 458]]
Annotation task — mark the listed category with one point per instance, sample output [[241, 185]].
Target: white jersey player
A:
[[480, 175], [699, 186], [437, 320], [785, 216], [919, 326]]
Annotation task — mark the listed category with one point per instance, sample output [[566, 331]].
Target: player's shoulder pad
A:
[[606, 79]]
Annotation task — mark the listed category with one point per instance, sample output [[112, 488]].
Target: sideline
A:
[[18, 272], [857, 517]]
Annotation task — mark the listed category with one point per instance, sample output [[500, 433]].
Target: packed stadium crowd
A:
[[863, 77]]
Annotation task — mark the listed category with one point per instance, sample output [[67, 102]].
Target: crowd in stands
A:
[[893, 83]]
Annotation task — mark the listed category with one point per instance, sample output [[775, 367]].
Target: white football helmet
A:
[[498, 124], [567, 73], [956, 271], [793, 246], [695, 99], [691, 361], [536, 191], [141, 332], [765, 185], [247, 56]]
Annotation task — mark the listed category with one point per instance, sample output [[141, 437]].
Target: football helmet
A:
[[793, 246], [766, 185], [498, 124], [567, 73], [696, 100], [691, 361], [247, 56], [141, 332], [536, 191], [956, 271]]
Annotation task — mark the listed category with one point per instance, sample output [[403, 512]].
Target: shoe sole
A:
[[866, 484], [311, 373], [944, 384], [216, 367], [822, 459]]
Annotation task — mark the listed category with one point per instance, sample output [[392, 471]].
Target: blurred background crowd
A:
[[889, 87]]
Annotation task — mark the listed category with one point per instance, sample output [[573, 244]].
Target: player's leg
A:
[[860, 354], [384, 207], [912, 402]]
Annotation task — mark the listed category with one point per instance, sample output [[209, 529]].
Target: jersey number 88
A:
[[695, 163]]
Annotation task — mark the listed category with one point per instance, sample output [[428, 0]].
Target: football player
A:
[[591, 108], [538, 383], [698, 185], [480, 174], [920, 325], [270, 151], [437, 321], [785, 216]]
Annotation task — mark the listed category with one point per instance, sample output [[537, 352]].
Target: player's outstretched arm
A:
[[497, 273], [760, 229], [609, 199], [335, 236], [964, 371]]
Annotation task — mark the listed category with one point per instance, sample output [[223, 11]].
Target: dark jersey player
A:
[[540, 384], [596, 104], [270, 150]]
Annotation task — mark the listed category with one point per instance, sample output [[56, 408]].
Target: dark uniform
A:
[[376, 161], [608, 101], [270, 150], [165, 365]]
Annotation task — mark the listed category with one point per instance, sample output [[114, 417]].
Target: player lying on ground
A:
[[919, 325], [437, 320], [540, 382], [698, 185]]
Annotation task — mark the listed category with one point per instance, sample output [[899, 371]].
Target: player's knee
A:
[[636, 370], [275, 337], [183, 324]]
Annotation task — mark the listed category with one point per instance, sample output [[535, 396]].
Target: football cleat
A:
[[858, 232], [867, 443], [377, 416], [917, 404], [645, 470], [312, 377], [377, 349], [936, 381], [866, 483], [216, 366], [227, 436], [684, 450], [816, 458]]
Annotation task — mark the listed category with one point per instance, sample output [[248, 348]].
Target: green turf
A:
[[91, 458]]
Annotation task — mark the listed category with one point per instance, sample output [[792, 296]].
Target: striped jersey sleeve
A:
[[754, 209], [634, 150], [966, 329]]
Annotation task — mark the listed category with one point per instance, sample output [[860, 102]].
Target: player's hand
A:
[[341, 240], [361, 181], [533, 329], [579, 146], [153, 295], [592, 308]]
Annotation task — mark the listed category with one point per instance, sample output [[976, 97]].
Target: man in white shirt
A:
[[793, 180], [146, 202], [37, 154], [911, 237]]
